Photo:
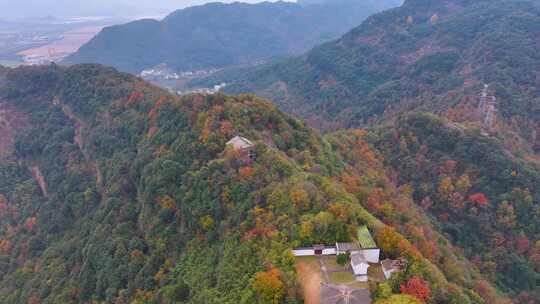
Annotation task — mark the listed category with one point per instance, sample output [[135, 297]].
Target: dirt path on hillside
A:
[[311, 281], [79, 141], [38, 176]]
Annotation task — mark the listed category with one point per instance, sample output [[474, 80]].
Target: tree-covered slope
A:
[[482, 197], [113, 191], [429, 55], [216, 35]]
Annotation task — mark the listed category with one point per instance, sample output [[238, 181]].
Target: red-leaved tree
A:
[[479, 199], [417, 288]]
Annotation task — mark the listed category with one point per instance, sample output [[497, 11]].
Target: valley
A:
[[218, 35], [48, 39], [68, 43]]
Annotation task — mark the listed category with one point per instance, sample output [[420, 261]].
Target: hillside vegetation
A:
[[480, 196], [114, 191], [217, 35]]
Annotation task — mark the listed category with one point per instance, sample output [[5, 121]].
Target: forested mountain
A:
[[478, 194], [472, 163], [114, 191], [216, 35], [430, 55]]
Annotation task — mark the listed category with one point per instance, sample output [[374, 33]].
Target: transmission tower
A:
[[487, 107]]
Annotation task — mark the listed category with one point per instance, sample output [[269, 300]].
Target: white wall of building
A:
[[329, 251], [304, 252], [388, 272], [311, 251]]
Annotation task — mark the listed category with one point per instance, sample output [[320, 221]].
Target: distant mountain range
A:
[[40, 8], [217, 35], [432, 55]]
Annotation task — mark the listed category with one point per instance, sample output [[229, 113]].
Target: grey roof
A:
[[240, 142], [319, 247], [388, 264], [358, 258], [347, 247]]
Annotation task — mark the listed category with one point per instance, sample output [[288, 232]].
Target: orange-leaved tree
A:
[[269, 287]]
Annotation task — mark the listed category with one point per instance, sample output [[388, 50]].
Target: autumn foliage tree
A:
[[446, 188], [3, 204], [245, 173], [5, 246], [388, 240], [522, 244], [399, 299], [30, 223], [33, 300], [417, 288], [269, 286], [479, 199], [300, 198]]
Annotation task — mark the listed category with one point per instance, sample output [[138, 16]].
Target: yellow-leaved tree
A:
[[399, 299], [269, 287]]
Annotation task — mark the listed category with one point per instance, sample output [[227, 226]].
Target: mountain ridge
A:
[[216, 35], [387, 61]]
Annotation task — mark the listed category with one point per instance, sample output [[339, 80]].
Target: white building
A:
[[244, 147], [362, 253], [240, 143], [315, 250]]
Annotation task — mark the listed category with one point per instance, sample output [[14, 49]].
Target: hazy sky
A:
[[35, 8]]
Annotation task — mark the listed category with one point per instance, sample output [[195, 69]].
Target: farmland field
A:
[[71, 41]]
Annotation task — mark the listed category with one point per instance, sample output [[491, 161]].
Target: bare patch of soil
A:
[[38, 176], [311, 279], [79, 141]]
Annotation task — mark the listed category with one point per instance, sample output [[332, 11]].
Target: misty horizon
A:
[[12, 9]]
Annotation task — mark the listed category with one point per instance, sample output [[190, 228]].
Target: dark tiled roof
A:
[[348, 247]]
